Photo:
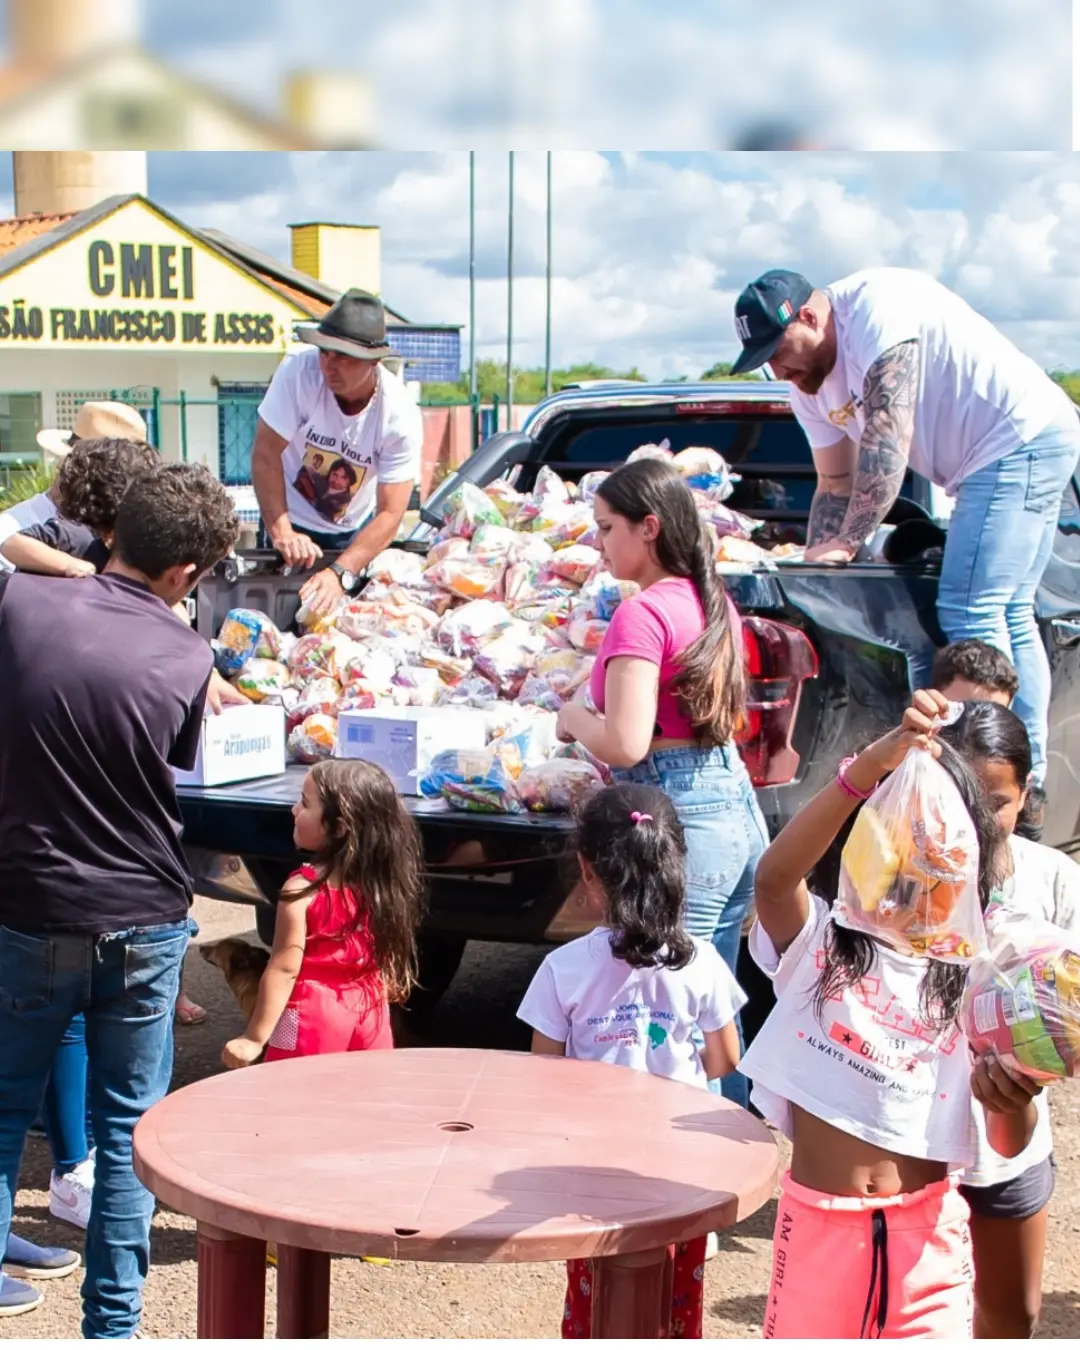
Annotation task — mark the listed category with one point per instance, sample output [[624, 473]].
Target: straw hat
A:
[[93, 421]]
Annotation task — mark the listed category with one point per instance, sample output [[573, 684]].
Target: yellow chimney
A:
[[332, 109], [339, 256]]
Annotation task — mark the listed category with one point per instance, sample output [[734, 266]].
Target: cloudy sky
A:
[[651, 249]]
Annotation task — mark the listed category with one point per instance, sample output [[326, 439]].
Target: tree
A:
[[721, 370], [528, 384]]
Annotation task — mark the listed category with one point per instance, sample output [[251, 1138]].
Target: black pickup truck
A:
[[827, 646]]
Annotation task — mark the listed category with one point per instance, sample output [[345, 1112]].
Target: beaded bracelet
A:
[[846, 785]]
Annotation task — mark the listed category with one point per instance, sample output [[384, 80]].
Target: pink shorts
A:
[[856, 1267]]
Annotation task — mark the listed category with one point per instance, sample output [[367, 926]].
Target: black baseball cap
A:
[[763, 312]]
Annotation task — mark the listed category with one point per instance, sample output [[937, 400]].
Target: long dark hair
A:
[[989, 731], [373, 845], [849, 955], [712, 678], [632, 839]]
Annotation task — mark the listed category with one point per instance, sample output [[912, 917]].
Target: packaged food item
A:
[[394, 566], [316, 655], [558, 785], [314, 739], [589, 485], [539, 691], [473, 691], [707, 471], [370, 662], [575, 563], [576, 751], [603, 595], [310, 622], [519, 583], [359, 697], [529, 548], [585, 632], [508, 658], [450, 669], [493, 543], [263, 680], [506, 498], [549, 493], [1022, 997], [246, 633], [525, 737], [317, 696], [468, 578], [909, 870], [724, 520], [661, 451], [733, 549], [363, 619], [575, 520], [466, 628], [467, 508], [454, 547], [416, 686], [472, 780], [566, 669]]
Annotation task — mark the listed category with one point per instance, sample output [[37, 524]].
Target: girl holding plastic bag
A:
[[1010, 1197], [862, 1065], [670, 682]]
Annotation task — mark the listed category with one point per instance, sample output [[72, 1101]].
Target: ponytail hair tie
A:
[[638, 816]]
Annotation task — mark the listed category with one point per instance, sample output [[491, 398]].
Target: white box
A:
[[237, 744], [403, 741]]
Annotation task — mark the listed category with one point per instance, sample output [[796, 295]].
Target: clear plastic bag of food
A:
[[576, 751], [575, 521], [525, 736], [369, 662], [445, 549], [732, 549], [508, 658], [416, 687], [707, 471], [359, 697], [474, 691], [603, 595], [590, 484], [450, 669], [548, 492], [316, 655], [724, 520], [262, 680], [472, 780], [506, 498], [910, 868], [539, 691], [661, 451], [576, 563], [529, 548], [1022, 997], [558, 785], [247, 633], [321, 695], [493, 543], [585, 632], [566, 669], [396, 567], [466, 628], [313, 740], [468, 578], [467, 508]]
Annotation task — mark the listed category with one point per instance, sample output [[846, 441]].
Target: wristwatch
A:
[[349, 580]]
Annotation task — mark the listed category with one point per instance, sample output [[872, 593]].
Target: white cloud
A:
[[650, 251]]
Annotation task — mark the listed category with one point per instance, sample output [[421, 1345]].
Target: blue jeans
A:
[[1001, 536], [126, 985], [67, 1107], [725, 838]]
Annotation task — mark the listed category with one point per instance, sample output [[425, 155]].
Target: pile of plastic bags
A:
[[508, 608]]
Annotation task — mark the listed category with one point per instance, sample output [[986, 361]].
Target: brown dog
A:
[[242, 964]]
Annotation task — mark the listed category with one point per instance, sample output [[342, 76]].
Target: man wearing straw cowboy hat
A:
[[93, 420], [338, 434]]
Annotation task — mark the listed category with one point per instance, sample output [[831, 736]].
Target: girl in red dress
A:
[[345, 933]]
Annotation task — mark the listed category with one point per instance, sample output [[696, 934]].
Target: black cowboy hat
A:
[[356, 326]]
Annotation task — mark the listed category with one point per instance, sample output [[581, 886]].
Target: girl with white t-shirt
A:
[[1010, 1197], [636, 990], [862, 1065]]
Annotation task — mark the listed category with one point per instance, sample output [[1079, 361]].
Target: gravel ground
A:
[[462, 1301]]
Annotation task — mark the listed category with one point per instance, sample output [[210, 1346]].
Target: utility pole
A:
[[472, 299], [510, 298], [547, 318]]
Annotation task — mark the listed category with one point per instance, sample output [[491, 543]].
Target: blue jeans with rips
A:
[[1001, 536], [126, 985], [725, 838]]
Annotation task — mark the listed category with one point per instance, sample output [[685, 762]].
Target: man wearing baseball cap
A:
[[891, 371], [338, 434]]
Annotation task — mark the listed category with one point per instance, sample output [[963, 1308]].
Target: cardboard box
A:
[[237, 744], [403, 741]]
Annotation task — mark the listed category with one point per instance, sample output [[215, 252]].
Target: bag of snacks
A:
[[661, 451], [466, 628], [472, 780], [558, 785], [474, 691], [585, 632], [508, 658], [262, 680], [589, 485], [468, 578], [707, 471], [317, 696], [603, 595], [246, 633], [314, 739], [416, 687], [909, 870], [446, 549], [395, 567], [1022, 997], [316, 655], [369, 662], [506, 498], [467, 508], [493, 543], [575, 563]]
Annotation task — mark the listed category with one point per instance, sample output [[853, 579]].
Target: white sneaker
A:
[[70, 1194]]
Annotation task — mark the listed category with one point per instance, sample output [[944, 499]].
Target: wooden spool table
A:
[[445, 1155]]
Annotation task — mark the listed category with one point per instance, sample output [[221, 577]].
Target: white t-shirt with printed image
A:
[[614, 1013], [979, 396], [333, 462], [871, 1066], [1046, 885]]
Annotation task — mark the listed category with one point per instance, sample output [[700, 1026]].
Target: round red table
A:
[[446, 1155]]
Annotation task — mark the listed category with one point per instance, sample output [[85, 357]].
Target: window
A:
[[238, 413], [69, 401], [122, 121], [20, 422]]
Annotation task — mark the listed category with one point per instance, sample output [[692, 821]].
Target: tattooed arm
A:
[[835, 466], [889, 397]]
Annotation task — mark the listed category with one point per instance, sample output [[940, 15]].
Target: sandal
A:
[[189, 1014]]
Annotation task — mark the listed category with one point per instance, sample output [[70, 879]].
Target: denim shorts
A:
[[1021, 1197]]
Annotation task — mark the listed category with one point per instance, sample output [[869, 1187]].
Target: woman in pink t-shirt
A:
[[669, 687]]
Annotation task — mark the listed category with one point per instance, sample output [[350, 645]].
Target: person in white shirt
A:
[[1010, 1197], [638, 991], [863, 1066], [891, 371], [338, 436]]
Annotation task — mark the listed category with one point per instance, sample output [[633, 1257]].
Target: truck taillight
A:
[[779, 659]]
